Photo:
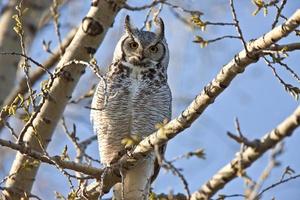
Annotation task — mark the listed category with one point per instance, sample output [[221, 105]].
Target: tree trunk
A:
[[9, 41], [39, 129]]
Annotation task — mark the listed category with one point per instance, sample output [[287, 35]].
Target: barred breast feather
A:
[[130, 109]]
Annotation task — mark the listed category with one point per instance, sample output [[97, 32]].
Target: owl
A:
[[134, 97]]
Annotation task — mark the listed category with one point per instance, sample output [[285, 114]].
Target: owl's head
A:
[[143, 48]]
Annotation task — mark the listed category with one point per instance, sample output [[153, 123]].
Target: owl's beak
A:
[[140, 57], [136, 59]]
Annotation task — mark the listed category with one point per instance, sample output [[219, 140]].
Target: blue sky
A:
[[255, 97]]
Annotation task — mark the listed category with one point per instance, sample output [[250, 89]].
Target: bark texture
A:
[[201, 102], [38, 131], [21, 87], [249, 156], [9, 41], [218, 85]]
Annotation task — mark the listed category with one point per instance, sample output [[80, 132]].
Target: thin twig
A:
[[238, 28], [267, 171], [223, 37], [93, 172], [289, 70], [25, 65], [206, 23], [169, 166], [28, 58], [11, 130], [278, 183], [154, 3], [55, 15], [292, 90], [279, 10]]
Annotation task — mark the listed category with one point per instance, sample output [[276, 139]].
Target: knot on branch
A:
[[91, 27]]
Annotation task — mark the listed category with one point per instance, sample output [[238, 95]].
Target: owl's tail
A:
[[136, 183]]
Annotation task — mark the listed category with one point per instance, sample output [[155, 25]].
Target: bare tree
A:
[[42, 108]]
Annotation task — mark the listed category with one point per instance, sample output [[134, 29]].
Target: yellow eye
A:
[[133, 45], [153, 49]]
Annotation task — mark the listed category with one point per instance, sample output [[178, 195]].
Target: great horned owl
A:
[[133, 99]]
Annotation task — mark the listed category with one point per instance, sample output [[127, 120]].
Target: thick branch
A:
[[9, 41], [22, 88], [207, 96], [217, 86], [249, 156], [286, 47], [39, 129], [202, 101], [38, 73]]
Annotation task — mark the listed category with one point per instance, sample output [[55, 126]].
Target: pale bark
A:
[[201, 102], [86, 42], [21, 87], [218, 181], [246, 158], [218, 85], [43, 122], [286, 47], [9, 41]]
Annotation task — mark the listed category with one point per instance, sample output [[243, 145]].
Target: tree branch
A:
[[37, 74], [249, 156], [9, 41], [200, 103], [37, 133], [22, 88], [88, 170], [39, 129], [285, 47]]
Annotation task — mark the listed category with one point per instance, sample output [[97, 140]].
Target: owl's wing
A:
[[97, 104], [161, 151], [162, 148]]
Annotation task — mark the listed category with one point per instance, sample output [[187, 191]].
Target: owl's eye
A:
[[133, 45], [153, 49]]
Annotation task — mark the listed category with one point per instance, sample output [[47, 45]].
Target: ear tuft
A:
[[160, 27], [128, 25]]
